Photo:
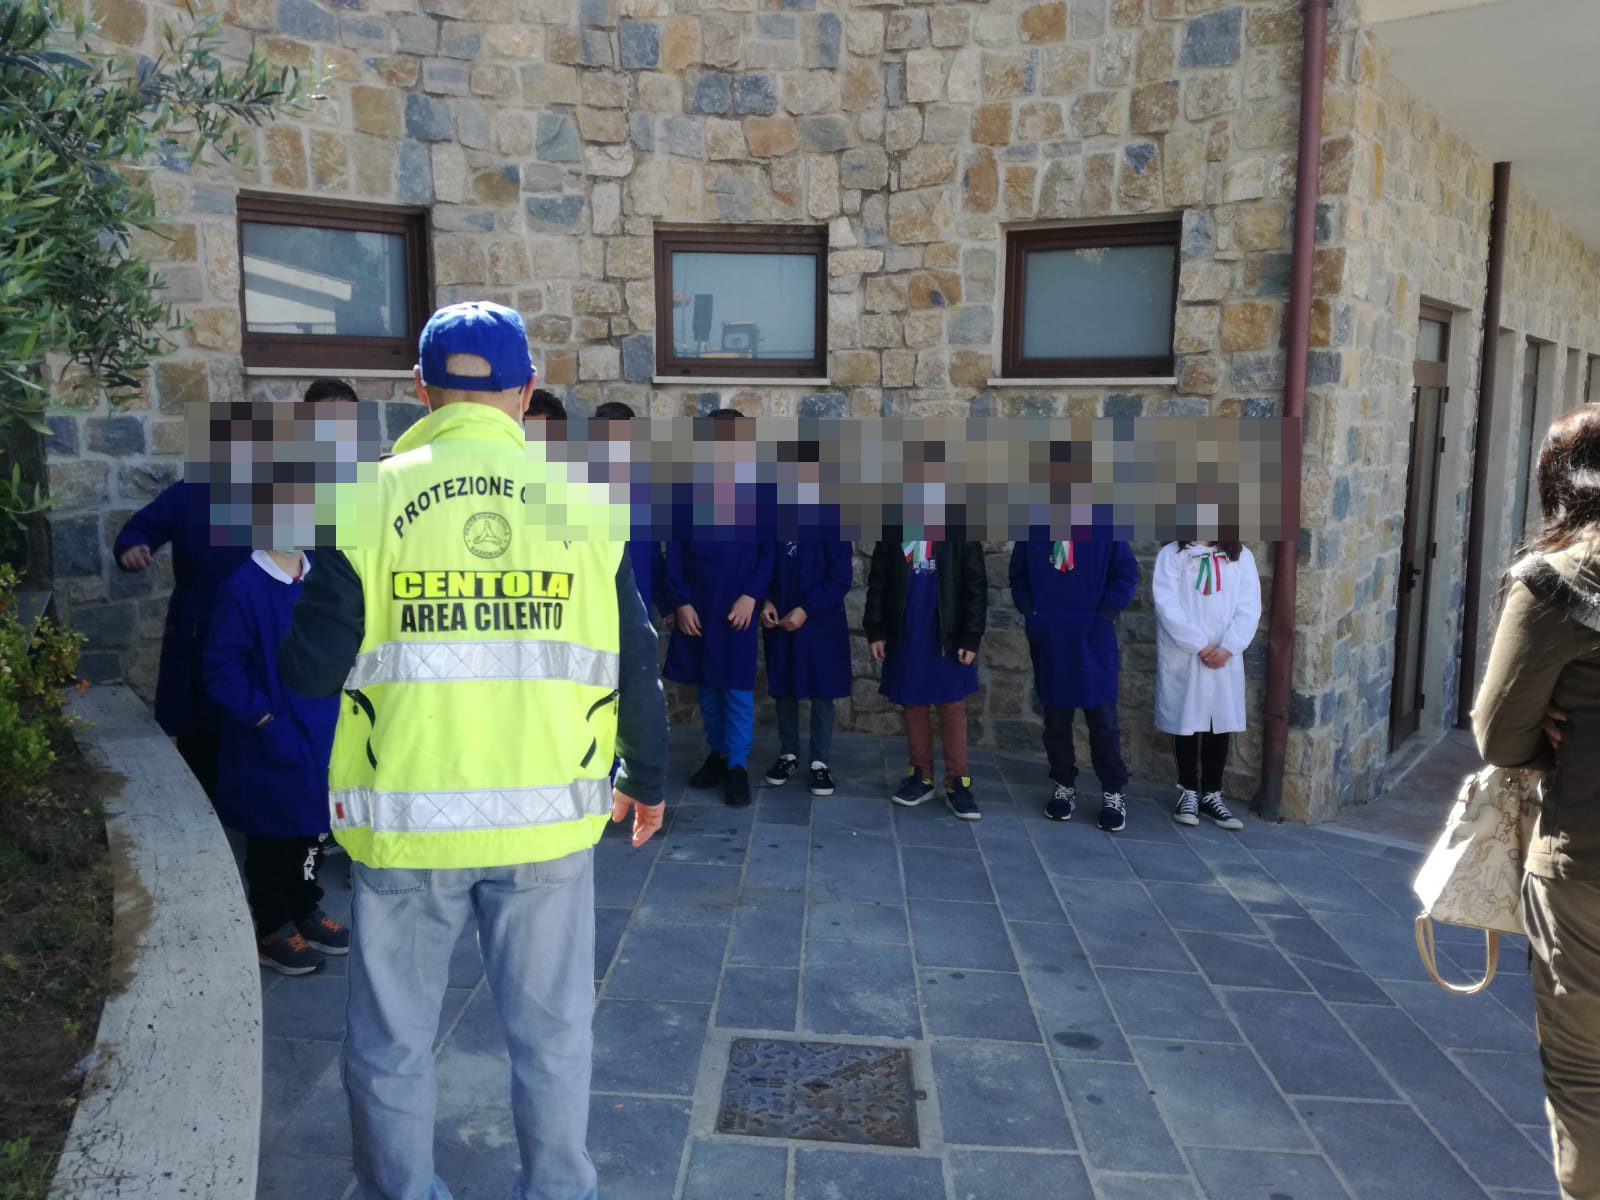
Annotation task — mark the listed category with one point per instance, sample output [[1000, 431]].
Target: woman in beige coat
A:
[[1546, 659]]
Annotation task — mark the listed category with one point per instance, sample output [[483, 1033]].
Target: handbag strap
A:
[[1425, 948]]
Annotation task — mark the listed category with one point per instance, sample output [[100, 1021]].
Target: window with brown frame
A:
[[1090, 301], [742, 302], [325, 285]]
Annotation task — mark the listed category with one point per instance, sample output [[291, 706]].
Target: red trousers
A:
[[952, 732]]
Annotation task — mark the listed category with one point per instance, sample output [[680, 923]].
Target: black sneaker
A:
[[736, 787], [780, 772], [324, 933], [1188, 810], [913, 790], [1211, 805], [1113, 813], [287, 953], [711, 771], [958, 799], [821, 780], [1063, 804]]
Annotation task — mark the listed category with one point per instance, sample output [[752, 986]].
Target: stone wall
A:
[[550, 138], [1404, 220]]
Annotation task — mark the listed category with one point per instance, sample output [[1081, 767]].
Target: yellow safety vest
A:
[[479, 719]]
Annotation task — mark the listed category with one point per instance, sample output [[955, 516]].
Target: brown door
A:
[[1417, 547]]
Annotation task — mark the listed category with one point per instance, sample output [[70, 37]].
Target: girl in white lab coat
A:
[[1208, 604]]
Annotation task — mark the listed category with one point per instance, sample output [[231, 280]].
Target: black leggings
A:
[[281, 876], [1201, 757]]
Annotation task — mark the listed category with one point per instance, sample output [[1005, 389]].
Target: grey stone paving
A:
[[1163, 1013]]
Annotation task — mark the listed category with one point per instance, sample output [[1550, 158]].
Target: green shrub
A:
[[35, 664]]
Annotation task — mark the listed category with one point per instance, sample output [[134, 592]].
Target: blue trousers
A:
[[1105, 746], [730, 719], [789, 727], [536, 932]]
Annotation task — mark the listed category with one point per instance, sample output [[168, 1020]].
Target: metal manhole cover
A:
[[819, 1091]]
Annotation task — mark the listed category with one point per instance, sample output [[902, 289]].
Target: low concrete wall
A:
[[172, 1103]]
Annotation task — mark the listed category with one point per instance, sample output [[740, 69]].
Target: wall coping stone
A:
[[171, 1105]]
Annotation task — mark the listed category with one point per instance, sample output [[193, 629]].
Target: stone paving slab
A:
[[1164, 1014]]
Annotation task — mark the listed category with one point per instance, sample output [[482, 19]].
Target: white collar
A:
[[264, 560]]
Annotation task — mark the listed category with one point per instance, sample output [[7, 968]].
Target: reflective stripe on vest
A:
[[442, 662], [490, 808]]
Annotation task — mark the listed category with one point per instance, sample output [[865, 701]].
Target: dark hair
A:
[[546, 404], [727, 414], [329, 389], [1569, 481], [614, 410], [1231, 549]]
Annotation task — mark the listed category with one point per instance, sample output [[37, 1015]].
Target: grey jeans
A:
[[1562, 917], [536, 931]]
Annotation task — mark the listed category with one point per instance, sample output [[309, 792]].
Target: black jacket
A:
[[963, 594]]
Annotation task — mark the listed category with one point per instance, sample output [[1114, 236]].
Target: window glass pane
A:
[[302, 280], [1430, 340], [744, 305], [1098, 302]]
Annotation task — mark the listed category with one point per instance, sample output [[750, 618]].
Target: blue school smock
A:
[[181, 514], [711, 575], [272, 779], [812, 662], [1069, 616], [647, 565], [914, 671]]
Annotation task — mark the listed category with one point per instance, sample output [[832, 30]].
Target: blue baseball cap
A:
[[492, 332]]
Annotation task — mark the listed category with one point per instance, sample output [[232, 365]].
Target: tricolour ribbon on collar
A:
[[1208, 580]]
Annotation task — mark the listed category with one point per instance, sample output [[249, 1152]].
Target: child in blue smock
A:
[[181, 515], [272, 777], [808, 651], [712, 586], [1069, 594], [927, 607]]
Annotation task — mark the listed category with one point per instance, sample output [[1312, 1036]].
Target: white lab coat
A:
[[1190, 696]]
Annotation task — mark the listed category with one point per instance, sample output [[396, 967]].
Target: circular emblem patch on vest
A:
[[487, 534]]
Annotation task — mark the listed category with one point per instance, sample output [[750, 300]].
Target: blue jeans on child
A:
[[789, 727], [730, 718], [536, 931], [1105, 746]]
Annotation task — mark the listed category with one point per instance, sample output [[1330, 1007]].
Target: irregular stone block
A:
[[1212, 39], [557, 139], [638, 358], [639, 44], [427, 120], [307, 20], [684, 136], [756, 94], [709, 92], [556, 212], [824, 134]]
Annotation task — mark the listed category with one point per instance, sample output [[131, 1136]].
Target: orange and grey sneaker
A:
[[287, 953], [324, 933]]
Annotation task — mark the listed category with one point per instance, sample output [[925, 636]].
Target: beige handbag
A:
[[1473, 874]]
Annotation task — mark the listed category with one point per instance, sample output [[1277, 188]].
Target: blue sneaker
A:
[[1113, 813], [959, 800], [913, 790]]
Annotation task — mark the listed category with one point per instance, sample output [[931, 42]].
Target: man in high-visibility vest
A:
[[489, 670]]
